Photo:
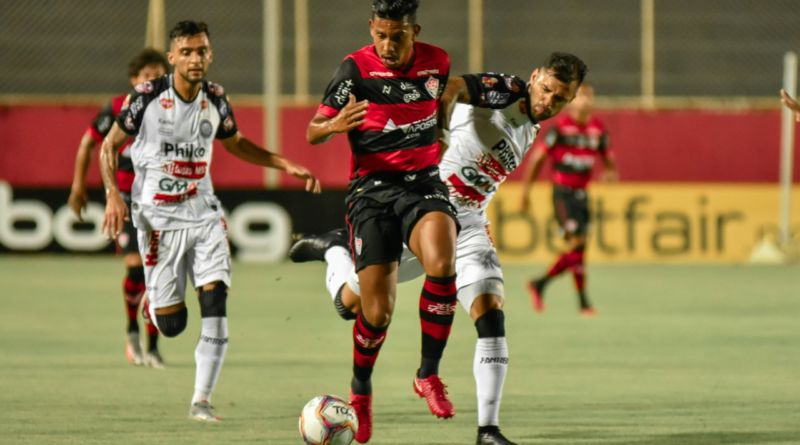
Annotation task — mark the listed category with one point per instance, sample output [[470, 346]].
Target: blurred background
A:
[[687, 89]]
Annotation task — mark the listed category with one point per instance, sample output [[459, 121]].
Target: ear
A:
[[171, 57], [533, 75], [210, 55], [416, 29], [134, 80]]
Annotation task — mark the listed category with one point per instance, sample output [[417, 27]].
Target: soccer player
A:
[[489, 138], [147, 65], [385, 96], [791, 103], [174, 120], [574, 143]]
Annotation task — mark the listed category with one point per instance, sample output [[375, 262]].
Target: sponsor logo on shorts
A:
[[151, 259]]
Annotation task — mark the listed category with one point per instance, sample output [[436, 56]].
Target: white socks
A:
[[340, 266], [489, 367], [209, 355]]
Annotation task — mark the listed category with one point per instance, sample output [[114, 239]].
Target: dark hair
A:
[[566, 67], [148, 56], [187, 28], [395, 9]]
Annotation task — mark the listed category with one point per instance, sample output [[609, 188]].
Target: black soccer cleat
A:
[[313, 247], [492, 436]]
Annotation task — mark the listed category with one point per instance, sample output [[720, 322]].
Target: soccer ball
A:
[[328, 420]]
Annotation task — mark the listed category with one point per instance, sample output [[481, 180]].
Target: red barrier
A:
[[699, 146]]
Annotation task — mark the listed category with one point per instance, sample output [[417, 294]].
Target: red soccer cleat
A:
[[432, 390], [588, 312], [536, 296], [363, 406]]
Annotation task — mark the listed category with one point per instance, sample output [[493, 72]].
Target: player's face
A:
[[394, 40], [584, 100], [191, 57], [547, 94], [149, 72]]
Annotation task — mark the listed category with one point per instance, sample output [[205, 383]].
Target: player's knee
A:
[[491, 324], [173, 323], [440, 267], [378, 318], [213, 301], [136, 274]]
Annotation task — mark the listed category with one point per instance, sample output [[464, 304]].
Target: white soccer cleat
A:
[[203, 411], [153, 360], [133, 350]]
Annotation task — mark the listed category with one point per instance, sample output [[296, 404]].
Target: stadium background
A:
[[688, 90]]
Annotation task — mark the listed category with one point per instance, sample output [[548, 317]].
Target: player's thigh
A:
[[165, 265], [210, 258], [477, 266], [376, 235]]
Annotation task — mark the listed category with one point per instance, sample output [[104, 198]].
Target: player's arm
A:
[[246, 150], [791, 104], [116, 209], [455, 91], [610, 170], [535, 165], [351, 116], [77, 197]]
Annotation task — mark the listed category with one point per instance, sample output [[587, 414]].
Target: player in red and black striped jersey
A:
[[386, 97], [573, 144], [147, 65]]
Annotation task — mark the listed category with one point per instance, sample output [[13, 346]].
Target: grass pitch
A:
[[689, 355]]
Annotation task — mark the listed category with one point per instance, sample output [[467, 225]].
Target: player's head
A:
[[554, 84], [190, 50], [147, 65], [581, 107], [394, 28]]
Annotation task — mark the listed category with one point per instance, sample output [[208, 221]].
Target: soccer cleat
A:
[[362, 404], [433, 391], [588, 312], [537, 300], [133, 350], [492, 436], [203, 411], [153, 359], [313, 247]]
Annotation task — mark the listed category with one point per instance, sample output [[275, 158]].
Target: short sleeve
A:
[[494, 90], [102, 122], [132, 113], [337, 93]]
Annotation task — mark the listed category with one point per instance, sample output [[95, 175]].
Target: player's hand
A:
[[77, 201], [350, 117], [312, 183], [791, 104], [115, 216]]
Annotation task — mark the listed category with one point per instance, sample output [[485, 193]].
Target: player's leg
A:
[[209, 262], [577, 246], [481, 293], [132, 290], [432, 240]]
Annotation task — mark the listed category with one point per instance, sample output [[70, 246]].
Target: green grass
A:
[[689, 355]]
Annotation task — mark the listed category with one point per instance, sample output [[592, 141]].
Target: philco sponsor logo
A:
[[188, 170], [505, 154], [166, 103], [183, 150]]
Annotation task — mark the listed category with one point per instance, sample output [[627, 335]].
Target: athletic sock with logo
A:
[[133, 288], [489, 366], [209, 355], [367, 342], [437, 309]]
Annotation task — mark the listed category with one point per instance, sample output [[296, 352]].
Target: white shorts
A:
[[477, 267], [202, 253]]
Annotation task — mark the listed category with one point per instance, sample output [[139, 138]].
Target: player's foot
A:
[[535, 289], [363, 406], [133, 349], [432, 390], [203, 412], [588, 312], [153, 359], [313, 247], [491, 435]]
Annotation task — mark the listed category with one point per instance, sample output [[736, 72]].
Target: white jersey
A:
[[172, 153], [486, 145]]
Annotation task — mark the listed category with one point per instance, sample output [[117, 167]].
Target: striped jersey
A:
[[172, 153], [574, 148], [488, 140], [399, 130], [100, 127]]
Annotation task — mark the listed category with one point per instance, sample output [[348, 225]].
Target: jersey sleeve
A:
[[494, 90], [338, 91], [132, 112], [227, 123], [102, 123]]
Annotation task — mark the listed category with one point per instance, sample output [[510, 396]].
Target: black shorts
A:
[[127, 241], [382, 210], [571, 208]]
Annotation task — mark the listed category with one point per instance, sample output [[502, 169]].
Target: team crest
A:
[[144, 87], [206, 129], [167, 103], [227, 124], [488, 81], [432, 86]]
